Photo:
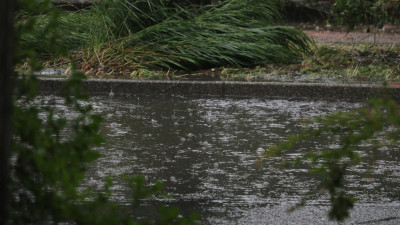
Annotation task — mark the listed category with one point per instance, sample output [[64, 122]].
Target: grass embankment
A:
[[345, 63], [119, 37], [340, 63], [236, 40]]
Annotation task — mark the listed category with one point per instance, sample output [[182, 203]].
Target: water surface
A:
[[204, 152]]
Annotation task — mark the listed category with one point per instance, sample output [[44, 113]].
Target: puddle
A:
[[52, 73]]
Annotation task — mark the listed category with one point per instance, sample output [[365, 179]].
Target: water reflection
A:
[[204, 152]]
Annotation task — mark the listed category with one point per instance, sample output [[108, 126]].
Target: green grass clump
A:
[[361, 63], [160, 34], [238, 33]]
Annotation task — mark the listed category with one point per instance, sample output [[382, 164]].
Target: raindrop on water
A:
[[260, 150], [215, 165]]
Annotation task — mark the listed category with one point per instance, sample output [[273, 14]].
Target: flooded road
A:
[[204, 151]]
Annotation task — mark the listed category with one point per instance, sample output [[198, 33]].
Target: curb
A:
[[314, 91]]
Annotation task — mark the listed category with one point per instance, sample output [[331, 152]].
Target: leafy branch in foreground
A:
[[52, 152], [52, 147], [378, 123]]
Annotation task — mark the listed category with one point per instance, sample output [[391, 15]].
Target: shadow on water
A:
[[204, 150]]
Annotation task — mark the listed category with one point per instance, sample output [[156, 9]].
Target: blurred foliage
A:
[[378, 123], [375, 12], [356, 12], [51, 149]]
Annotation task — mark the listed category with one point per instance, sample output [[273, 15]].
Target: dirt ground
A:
[[391, 35]]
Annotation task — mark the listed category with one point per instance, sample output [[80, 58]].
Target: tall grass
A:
[[161, 34]]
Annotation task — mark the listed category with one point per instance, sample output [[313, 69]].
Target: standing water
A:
[[204, 151]]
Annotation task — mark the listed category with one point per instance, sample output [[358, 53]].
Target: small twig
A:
[[67, 62]]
